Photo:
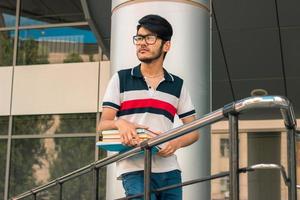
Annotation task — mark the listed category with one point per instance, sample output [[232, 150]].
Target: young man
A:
[[147, 96]]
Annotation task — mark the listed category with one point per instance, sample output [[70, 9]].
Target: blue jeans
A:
[[133, 183]]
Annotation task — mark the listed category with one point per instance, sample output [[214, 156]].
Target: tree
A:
[[73, 57], [65, 155], [6, 49], [28, 53], [3, 146]]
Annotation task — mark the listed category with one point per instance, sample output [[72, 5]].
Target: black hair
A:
[[157, 25]]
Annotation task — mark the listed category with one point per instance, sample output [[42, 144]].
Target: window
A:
[[50, 12], [224, 147], [36, 161], [7, 13], [4, 125], [6, 47], [54, 124], [57, 45], [224, 184], [3, 146]]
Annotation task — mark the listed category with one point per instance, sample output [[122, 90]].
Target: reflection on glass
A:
[[7, 13], [298, 160], [35, 162], [57, 45], [50, 12], [3, 144], [4, 125], [6, 48], [51, 193], [80, 188], [54, 124]]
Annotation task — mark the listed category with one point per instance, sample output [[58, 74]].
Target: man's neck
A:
[[152, 69]]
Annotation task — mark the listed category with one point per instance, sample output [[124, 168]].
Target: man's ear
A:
[[167, 46]]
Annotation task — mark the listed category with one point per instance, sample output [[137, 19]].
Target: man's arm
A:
[[126, 129], [183, 141]]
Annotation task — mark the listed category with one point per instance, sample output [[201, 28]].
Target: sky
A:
[[67, 34]]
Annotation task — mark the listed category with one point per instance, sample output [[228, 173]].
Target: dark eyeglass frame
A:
[[137, 39]]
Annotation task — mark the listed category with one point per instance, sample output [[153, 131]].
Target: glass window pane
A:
[[4, 125], [47, 159], [79, 188], [6, 47], [50, 12], [54, 124], [51, 193], [57, 45], [3, 145], [7, 13]]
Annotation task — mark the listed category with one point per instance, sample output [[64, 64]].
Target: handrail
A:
[[216, 176], [236, 107]]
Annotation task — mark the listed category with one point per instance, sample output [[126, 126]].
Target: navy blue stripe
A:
[[171, 87], [144, 110], [187, 114], [131, 83], [111, 105]]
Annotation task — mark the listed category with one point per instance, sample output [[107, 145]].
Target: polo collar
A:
[[136, 72]]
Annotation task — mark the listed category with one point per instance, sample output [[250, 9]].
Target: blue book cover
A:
[[119, 147]]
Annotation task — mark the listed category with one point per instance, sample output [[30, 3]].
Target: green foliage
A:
[[74, 153], [6, 49], [4, 125], [91, 58], [65, 156], [30, 125], [72, 58], [28, 53], [3, 146], [25, 154]]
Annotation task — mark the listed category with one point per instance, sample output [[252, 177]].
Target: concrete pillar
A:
[[188, 58]]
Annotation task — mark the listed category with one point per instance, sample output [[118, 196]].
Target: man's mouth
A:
[[143, 50]]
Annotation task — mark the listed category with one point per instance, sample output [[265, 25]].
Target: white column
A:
[[188, 58]]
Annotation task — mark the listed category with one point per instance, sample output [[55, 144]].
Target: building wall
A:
[[52, 77], [220, 163]]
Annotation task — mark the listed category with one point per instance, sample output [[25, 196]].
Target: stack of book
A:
[[110, 140]]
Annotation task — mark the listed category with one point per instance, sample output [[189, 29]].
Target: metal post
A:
[[60, 191], [147, 173], [233, 157], [292, 187], [96, 183]]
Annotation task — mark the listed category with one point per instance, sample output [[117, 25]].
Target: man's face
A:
[[147, 53]]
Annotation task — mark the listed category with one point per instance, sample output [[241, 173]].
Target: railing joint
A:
[[229, 109], [144, 145], [32, 192]]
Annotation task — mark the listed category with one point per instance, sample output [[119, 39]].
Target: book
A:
[[110, 140], [114, 136], [119, 147], [113, 146]]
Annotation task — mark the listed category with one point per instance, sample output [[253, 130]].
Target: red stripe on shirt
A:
[[152, 103]]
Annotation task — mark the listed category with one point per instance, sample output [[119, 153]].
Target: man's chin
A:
[[146, 60]]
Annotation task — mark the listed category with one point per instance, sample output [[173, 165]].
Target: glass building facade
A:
[[38, 146], [50, 90]]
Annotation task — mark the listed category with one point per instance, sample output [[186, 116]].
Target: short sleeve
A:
[[112, 94], [185, 105]]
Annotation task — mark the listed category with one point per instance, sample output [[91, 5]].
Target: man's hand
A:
[[169, 148], [128, 132]]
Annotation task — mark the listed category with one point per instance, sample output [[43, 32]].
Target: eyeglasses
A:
[[149, 39]]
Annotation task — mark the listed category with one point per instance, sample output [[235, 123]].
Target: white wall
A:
[[55, 88], [5, 90]]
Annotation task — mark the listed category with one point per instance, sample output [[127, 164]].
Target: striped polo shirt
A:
[[129, 94]]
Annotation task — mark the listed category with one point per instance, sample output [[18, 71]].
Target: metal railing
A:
[[230, 111]]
